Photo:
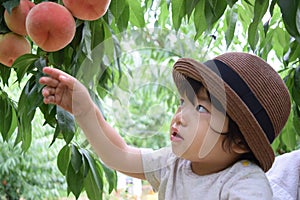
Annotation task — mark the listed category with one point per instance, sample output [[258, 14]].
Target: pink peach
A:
[[12, 46], [87, 9], [50, 26], [15, 20]]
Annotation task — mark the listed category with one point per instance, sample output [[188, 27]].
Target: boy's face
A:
[[195, 130]]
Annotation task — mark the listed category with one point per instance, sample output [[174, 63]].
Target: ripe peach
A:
[[15, 20], [12, 46], [87, 9], [50, 26]]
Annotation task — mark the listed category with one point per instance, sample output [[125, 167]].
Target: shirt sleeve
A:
[[154, 165]]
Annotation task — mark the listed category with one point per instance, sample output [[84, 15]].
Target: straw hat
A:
[[252, 92]]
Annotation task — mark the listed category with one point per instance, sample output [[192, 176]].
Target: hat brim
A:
[[233, 104]]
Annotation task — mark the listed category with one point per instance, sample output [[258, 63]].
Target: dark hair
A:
[[191, 88], [235, 136]]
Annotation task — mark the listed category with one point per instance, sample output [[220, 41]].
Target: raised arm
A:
[[67, 92]]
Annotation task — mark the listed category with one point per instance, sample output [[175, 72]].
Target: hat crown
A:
[[264, 82]]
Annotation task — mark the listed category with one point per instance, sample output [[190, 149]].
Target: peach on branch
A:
[[12, 46], [51, 26], [15, 20], [87, 9]]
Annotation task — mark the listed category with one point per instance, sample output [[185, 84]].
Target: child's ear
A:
[[240, 148]]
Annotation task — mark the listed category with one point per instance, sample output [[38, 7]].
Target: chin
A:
[[181, 153], [176, 150]]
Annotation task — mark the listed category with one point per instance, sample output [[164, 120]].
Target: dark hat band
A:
[[238, 85]]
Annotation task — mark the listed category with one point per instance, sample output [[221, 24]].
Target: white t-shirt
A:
[[172, 178]]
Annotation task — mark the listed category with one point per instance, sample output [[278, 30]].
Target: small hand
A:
[[58, 88]]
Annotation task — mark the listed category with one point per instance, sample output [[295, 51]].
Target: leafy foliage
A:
[[269, 29], [29, 175]]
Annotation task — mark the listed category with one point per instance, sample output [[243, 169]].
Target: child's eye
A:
[[181, 102], [201, 109]]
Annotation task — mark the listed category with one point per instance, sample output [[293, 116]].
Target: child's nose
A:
[[178, 118]]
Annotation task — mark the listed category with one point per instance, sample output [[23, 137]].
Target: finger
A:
[[49, 81], [53, 72], [49, 100], [69, 81], [47, 91], [61, 76], [51, 96]]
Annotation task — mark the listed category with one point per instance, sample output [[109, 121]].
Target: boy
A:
[[232, 108]]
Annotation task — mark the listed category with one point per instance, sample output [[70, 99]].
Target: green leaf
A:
[[272, 6], [293, 53], [111, 177], [136, 14], [164, 14], [19, 135], [219, 8], [91, 188], [49, 112], [253, 36], [85, 166], [30, 97], [66, 124], [57, 58], [231, 19], [76, 159], [97, 32], [288, 134], [231, 2], [24, 64], [87, 40], [5, 73], [29, 100], [56, 134], [63, 159], [25, 129], [190, 6], [260, 8], [280, 41], [11, 4], [124, 19], [289, 80], [121, 11], [96, 173], [297, 78], [117, 7], [199, 19], [77, 37], [276, 143], [296, 86], [75, 181], [289, 9], [298, 18], [214, 9], [6, 116], [108, 44], [14, 122], [296, 95], [178, 12], [296, 119]]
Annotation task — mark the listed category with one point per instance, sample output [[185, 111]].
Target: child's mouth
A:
[[175, 137]]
